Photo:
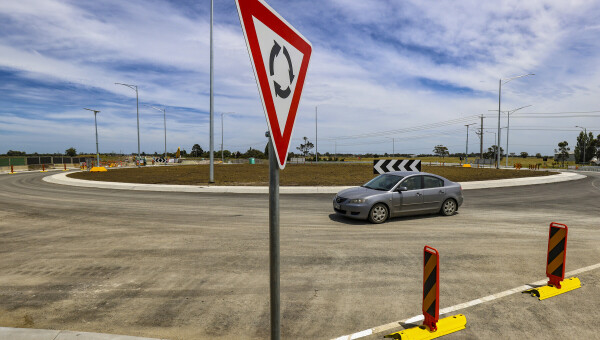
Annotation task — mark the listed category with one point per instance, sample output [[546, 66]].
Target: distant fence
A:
[[39, 160]]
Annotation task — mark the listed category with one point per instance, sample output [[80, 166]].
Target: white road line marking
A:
[[417, 318]]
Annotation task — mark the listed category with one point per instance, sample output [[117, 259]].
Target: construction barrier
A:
[[432, 326], [12, 170], [43, 168], [555, 265]]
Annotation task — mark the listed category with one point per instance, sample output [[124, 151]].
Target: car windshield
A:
[[383, 182]]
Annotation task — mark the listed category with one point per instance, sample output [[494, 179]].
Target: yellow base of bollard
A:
[[466, 165], [545, 292], [445, 326], [98, 169]]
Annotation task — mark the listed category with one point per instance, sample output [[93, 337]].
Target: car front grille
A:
[[340, 199]]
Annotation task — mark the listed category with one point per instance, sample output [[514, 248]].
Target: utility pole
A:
[[211, 178], [481, 139], [164, 111], [498, 140], [467, 149], [499, 97], [96, 125], [137, 105], [316, 136]]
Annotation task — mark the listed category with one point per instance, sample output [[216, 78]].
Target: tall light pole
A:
[[137, 105], [164, 111], [508, 113], [467, 149], [500, 82], [211, 178], [393, 145], [223, 113], [584, 138], [316, 136], [96, 126]]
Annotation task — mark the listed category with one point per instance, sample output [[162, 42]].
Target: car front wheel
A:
[[448, 207], [378, 214]]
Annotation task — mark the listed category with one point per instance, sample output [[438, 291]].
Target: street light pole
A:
[[584, 138], [96, 126], [316, 136], [500, 82], [467, 149], [212, 137], [137, 107], [508, 113], [164, 111]]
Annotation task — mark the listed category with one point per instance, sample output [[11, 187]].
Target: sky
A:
[[385, 76]]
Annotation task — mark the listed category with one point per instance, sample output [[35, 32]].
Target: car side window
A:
[[412, 183], [433, 182]]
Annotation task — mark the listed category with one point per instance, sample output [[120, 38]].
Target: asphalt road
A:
[[195, 266]]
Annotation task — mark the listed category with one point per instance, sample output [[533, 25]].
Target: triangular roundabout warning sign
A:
[[279, 56]]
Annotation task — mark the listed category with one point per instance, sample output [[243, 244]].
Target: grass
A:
[[292, 175]]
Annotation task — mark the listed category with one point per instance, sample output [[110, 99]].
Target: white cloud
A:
[[376, 65]]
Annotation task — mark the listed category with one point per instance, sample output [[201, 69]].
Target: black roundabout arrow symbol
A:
[[289, 60], [281, 93], [274, 52]]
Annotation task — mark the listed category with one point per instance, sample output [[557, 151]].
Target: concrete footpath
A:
[[62, 178], [48, 334]]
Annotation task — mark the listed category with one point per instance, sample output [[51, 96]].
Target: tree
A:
[[589, 143], [305, 148], [197, 150], [15, 153], [524, 154], [441, 150], [538, 155], [597, 146], [562, 153], [253, 153], [492, 152]]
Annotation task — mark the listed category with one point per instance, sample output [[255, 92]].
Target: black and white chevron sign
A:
[[159, 160], [387, 165]]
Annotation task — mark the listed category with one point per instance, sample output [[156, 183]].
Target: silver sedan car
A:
[[399, 193]]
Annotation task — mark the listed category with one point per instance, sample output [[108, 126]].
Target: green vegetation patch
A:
[[321, 174]]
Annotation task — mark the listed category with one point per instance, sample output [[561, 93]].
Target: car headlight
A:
[[357, 200]]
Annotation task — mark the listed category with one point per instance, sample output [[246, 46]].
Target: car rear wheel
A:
[[378, 214], [448, 207]]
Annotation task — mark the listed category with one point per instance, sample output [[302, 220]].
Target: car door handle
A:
[[419, 194], [441, 191]]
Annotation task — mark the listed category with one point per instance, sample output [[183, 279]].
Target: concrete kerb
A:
[[62, 178], [7, 333]]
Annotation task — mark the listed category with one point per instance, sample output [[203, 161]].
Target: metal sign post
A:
[[274, 241], [271, 40]]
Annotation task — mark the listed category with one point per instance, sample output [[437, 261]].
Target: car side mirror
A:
[[400, 189]]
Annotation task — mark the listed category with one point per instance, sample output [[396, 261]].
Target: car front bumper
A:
[[357, 211]]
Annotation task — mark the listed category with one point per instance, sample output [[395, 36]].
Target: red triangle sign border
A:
[[258, 9]]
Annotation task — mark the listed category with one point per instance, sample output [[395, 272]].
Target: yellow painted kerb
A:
[[98, 169], [445, 326], [548, 291]]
